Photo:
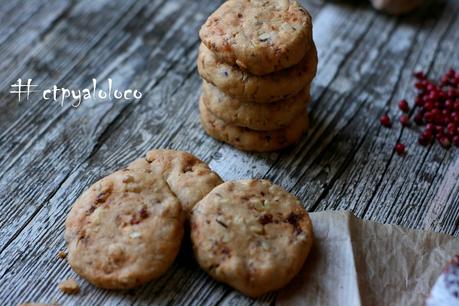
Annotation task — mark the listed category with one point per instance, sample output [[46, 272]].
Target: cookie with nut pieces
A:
[[258, 89], [255, 116], [252, 140], [259, 36], [125, 230], [188, 177], [252, 235]]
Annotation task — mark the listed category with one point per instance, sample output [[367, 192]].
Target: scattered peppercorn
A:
[[400, 149], [385, 121], [424, 141], [420, 75], [405, 120], [437, 110], [445, 142], [456, 140], [403, 105]]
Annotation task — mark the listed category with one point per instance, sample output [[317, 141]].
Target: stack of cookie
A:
[[257, 60]]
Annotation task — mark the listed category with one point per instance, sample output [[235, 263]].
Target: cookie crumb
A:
[[69, 286], [62, 255]]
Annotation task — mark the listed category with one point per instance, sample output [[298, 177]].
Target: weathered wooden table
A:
[[51, 152]]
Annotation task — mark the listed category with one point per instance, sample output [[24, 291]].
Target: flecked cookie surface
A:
[[189, 178], [260, 89], [125, 230], [255, 116], [259, 36], [251, 140], [252, 235]]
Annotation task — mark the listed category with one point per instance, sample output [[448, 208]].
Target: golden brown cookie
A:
[[255, 116], [252, 235], [259, 89], [125, 230], [189, 178], [251, 140], [259, 36]]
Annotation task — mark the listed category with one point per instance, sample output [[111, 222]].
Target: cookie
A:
[[252, 235], [256, 116], [259, 36], [125, 230], [251, 140], [259, 89], [189, 178]]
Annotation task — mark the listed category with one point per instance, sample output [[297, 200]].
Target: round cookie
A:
[[252, 235], [259, 36], [255, 116], [251, 140], [189, 178], [259, 89], [125, 230]]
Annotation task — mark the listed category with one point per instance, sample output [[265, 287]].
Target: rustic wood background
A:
[[50, 153]]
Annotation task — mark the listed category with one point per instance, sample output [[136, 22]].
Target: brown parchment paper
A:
[[357, 262]]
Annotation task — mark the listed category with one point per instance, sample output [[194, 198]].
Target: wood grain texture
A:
[[51, 153]]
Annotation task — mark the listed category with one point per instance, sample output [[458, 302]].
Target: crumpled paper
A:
[[355, 262]]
